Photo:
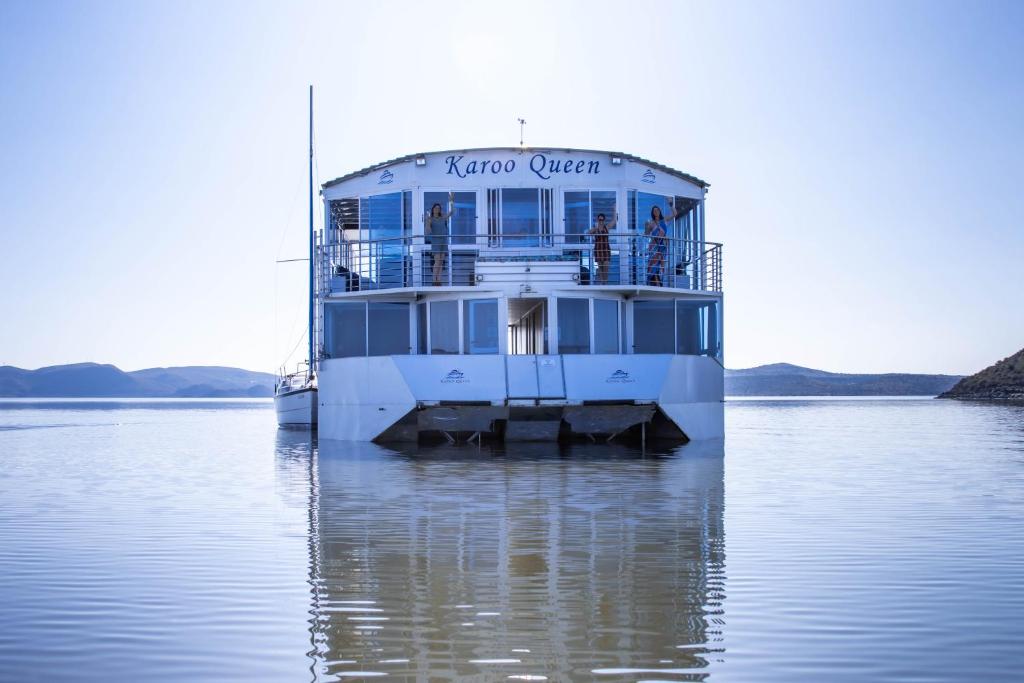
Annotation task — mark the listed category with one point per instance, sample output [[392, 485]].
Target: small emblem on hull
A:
[[387, 177], [647, 177], [455, 377], [620, 377]]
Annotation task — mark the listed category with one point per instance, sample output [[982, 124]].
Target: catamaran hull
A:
[[297, 409], [527, 398]]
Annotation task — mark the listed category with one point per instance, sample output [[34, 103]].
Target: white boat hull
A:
[[397, 398], [297, 408]]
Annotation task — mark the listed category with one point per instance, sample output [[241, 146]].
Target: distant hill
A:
[[783, 379], [92, 380], [1003, 381]]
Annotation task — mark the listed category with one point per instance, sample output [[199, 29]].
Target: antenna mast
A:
[[522, 124]]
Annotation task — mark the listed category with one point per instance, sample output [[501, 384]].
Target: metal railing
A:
[[626, 259]]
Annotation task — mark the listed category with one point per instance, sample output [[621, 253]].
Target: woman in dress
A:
[[602, 247], [435, 226], [657, 245]]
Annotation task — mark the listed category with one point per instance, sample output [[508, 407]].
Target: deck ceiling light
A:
[[421, 160], [616, 160]]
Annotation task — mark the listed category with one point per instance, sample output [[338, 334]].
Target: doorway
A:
[[527, 326]]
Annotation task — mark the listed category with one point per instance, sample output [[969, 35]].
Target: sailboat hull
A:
[[297, 409]]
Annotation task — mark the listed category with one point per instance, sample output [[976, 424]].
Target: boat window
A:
[[345, 329], [581, 209], [380, 216], [606, 326], [525, 217], [381, 220], [344, 220], [421, 328], [573, 325], [407, 213], [645, 203], [462, 224], [654, 326], [444, 327], [698, 328], [388, 328], [481, 325]]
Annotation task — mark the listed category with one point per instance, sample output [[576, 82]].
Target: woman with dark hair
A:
[[435, 226], [602, 247], [657, 245]]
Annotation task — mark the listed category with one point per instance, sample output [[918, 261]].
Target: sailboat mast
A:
[[311, 301]]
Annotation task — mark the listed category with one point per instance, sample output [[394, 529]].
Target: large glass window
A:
[[698, 329], [480, 318], [525, 216], [645, 203], [388, 328], [380, 216], [581, 210], [345, 329], [606, 326], [381, 219], [654, 326], [573, 325], [462, 224], [444, 327], [520, 217]]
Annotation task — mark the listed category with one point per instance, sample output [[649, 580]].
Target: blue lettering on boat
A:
[[453, 165]]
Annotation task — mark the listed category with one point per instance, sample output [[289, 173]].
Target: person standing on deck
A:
[[602, 247], [435, 226], [657, 246]]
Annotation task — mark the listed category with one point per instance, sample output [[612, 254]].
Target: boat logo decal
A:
[[386, 178], [647, 177], [620, 377], [455, 377]]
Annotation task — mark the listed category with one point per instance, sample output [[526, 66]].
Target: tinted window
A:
[[381, 218], [520, 217], [606, 326], [389, 328], [481, 323], [574, 326], [654, 326], [345, 330], [444, 327], [421, 328], [462, 224], [698, 328]]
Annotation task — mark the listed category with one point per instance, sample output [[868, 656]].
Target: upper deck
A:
[[516, 219]]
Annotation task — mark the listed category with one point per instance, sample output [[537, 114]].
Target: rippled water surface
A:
[[840, 540]]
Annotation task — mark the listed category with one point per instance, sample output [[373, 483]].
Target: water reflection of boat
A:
[[427, 562]]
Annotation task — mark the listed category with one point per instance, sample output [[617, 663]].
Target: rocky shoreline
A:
[[1003, 381]]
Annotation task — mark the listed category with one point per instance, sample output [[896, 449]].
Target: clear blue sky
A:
[[866, 160]]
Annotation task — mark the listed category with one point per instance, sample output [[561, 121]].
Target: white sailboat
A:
[[295, 395]]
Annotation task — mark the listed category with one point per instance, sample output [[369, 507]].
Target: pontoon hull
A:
[[401, 398]]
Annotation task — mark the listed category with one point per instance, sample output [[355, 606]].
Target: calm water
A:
[[830, 540]]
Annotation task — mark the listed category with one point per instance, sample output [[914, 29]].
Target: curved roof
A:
[[409, 157]]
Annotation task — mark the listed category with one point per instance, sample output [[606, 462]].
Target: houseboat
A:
[[518, 294]]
